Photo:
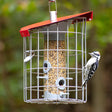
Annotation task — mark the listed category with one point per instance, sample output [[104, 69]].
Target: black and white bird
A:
[[91, 66]]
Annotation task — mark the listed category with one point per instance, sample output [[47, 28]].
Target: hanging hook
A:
[[53, 10]]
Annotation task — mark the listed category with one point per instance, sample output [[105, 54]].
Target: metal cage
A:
[[54, 56]]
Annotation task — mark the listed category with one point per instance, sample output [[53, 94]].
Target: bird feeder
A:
[[54, 54]]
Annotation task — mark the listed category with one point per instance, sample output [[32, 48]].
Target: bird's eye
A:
[[96, 54]]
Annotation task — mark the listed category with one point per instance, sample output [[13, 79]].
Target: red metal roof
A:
[[24, 31]]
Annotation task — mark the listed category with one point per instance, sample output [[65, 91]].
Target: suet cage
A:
[[54, 55]]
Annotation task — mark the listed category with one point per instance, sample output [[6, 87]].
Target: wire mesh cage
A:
[[54, 56]]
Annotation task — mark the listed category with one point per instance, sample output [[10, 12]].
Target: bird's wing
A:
[[88, 72], [92, 70], [85, 74]]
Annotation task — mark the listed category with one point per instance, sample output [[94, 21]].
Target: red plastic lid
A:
[[24, 31]]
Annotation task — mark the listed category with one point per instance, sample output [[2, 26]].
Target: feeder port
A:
[[61, 83], [46, 66]]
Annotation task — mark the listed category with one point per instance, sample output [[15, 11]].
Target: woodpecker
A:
[[91, 66]]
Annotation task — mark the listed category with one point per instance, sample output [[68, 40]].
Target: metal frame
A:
[[29, 69]]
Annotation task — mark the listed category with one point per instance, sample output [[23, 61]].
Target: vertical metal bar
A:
[[68, 59], [76, 64], [85, 42], [47, 53], [85, 58], [57, 53], [82, 56], [24, 70], [38, 64], [31, 67]]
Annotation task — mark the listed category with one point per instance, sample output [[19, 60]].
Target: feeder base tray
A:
[[59, 101]]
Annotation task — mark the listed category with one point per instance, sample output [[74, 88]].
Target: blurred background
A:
[[15, 14]]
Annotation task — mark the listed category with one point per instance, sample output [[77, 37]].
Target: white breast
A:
[[91, 61]]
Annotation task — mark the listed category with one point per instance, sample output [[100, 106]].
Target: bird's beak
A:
[[91, 54]]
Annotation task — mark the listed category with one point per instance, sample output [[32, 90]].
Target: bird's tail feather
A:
[[84, 83]]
